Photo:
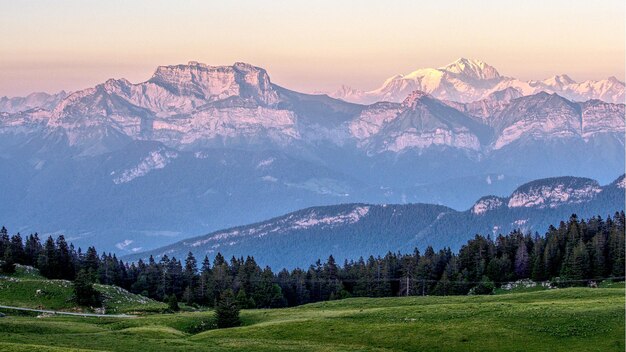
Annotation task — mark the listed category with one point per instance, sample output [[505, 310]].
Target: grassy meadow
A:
[[572, 319], [27, 289]]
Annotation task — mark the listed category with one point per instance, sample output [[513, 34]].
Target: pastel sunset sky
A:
[[304, 45]]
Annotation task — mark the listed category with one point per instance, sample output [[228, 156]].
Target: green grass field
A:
[[27, 289], [573, 319]]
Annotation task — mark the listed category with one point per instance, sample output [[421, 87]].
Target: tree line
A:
[[574, 252]]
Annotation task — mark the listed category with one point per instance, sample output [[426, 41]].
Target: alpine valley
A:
[[197, 148]]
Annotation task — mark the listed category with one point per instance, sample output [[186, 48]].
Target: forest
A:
[[573, 253]]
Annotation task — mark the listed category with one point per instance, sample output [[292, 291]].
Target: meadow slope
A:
[[573, 319]]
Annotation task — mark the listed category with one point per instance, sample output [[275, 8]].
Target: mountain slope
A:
[[196, 148], [300, 238], [197, 106], [352, 230], [419, 122], [532, 207]]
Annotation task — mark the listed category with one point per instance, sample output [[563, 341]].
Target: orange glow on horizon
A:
[[70, 45]]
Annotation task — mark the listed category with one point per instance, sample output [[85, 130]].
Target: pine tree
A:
[[522, 262], [17, 249], [190, 275], [538, 272], [175, 272], [206, 286], [172, 303], [221, 275], [153, 274], [84, 292], [552, 255], [277, 300], [227, 311], [47, 263], [32, 248], [330, 279], [484, 287], [598, 250], [576, 250], [91, 260], [7, 265], [617, 250], [64, 263], [425, 270], [577, 264], [4, 240], [242, 299]]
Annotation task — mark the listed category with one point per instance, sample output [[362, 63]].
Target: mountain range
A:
[[350, 231], [31, 101], [198, 148], [468, 80]]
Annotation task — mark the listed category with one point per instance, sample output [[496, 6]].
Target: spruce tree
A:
[[227, 311], [7, 266], [17, 249], [617, 251], [32, 248], [172, 303], [4, 240], [190, 282], [242, 299], [206, 285], [484, 287], [84, 292], [522, 262]]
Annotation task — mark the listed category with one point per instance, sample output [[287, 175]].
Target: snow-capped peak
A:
[[470, 80], [472, 68], [559, 81]]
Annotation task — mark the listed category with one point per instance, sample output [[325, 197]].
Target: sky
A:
[[53, 45]]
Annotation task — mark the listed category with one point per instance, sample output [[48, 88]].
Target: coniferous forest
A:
[[573, 253]]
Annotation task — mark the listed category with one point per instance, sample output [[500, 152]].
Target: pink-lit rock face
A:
[[418, 123], [549, 116], [599, 117], [539, 116], [197, 104], [179, 105], [212, 83], [483, 109], [372, 119]]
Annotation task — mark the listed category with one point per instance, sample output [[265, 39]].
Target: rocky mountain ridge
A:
[[196, 148], [351, 230], [186, 106]]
